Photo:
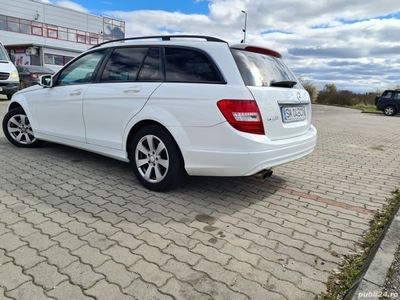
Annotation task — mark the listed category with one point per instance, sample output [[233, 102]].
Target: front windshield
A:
[[3, 54]]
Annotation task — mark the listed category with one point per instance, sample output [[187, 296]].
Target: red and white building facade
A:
[[38, 33]]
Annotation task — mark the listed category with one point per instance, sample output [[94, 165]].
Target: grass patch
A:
[[339, 284], [363, 107], [366, 108]]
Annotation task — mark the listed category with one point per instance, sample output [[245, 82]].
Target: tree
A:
[[330, 88], [311, 89]]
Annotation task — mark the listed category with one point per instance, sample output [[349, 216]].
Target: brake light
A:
[[265, 51], [243, 115], [34, 75]]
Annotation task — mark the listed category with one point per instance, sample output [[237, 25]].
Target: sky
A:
[[352, 43]]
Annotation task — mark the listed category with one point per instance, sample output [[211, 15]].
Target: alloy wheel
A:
[[152, 159], [389, 111], [20, 129]]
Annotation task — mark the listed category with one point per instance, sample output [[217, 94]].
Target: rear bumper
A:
[[9, 88], [261, 155]]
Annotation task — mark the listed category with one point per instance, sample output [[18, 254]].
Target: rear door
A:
[[128, 78], [285, 107]]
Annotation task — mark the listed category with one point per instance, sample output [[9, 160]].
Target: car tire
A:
[[18, 130], [389, 110], [156, 159]]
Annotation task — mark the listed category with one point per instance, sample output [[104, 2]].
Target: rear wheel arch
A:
[[141, 124]]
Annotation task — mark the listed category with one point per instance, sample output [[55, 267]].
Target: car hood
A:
[[29, 89], [6, 66]]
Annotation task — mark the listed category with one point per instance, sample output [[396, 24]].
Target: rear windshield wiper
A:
[[285, 83]]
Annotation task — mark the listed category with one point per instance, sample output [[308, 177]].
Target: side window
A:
[[81, 70], [186, 65], [397, 96], [151, 68], [124, 64], [387, 95]]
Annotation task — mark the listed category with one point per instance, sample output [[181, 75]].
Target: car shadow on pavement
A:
[[98, 179]]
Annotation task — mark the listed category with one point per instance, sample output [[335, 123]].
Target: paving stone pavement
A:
[[75, 225]]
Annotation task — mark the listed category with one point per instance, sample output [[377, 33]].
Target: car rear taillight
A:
[[34, 75], [243, 115]]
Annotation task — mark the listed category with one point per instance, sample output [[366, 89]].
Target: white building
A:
[[38, 33]]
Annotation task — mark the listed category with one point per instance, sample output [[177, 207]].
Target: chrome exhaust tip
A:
[[264, 174]]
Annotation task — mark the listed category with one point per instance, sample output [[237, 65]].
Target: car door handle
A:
[[132, 90], [75, 93]]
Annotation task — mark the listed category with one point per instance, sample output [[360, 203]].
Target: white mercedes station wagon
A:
[[171, 106]]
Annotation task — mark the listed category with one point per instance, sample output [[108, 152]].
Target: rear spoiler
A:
[[257, 49]]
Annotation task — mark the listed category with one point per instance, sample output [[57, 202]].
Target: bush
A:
[[329, 95]]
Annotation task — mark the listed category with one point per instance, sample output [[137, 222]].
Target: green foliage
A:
[[338, 284], [330, 88], [330, 95], [311, 89]]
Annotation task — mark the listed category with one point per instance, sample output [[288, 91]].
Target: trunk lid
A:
[[274, 103], [283, 103]]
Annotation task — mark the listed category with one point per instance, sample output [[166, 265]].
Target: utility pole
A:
[[245, 26]]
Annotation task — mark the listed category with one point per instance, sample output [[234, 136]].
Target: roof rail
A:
[[164, 38]]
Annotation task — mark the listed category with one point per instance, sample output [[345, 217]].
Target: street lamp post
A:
[[245, 26]]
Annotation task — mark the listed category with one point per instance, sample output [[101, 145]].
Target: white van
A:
[[9, 79]]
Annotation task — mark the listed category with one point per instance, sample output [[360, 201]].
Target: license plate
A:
[[293, 113]]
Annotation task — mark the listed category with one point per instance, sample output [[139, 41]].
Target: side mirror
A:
[[46, 81]]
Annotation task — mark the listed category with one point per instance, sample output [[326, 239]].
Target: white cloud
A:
[[341, 41], [72, 5], [67, 4]]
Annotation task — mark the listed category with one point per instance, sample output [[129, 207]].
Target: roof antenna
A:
[[245, 27]]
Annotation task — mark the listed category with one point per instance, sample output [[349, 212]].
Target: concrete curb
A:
[[374, 279]]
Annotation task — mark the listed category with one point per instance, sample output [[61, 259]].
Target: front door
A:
[[59, 108]]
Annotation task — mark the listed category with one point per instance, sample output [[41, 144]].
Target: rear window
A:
[[260, 69], [187, 65], [124, 64]]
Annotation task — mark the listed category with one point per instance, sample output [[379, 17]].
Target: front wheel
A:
[[18, 129], [156, 159], [389, 110]]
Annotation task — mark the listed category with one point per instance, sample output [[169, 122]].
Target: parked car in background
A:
[[171, 106], [389, 102], [29, 75], [9, 79]]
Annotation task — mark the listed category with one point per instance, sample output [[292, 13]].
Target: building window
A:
[[3, 23], [52, 31], [37, 30], [72, 35], [55, 59], [25, 26], [13, 24], [80, 38], [62, 33], [112, 29]]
